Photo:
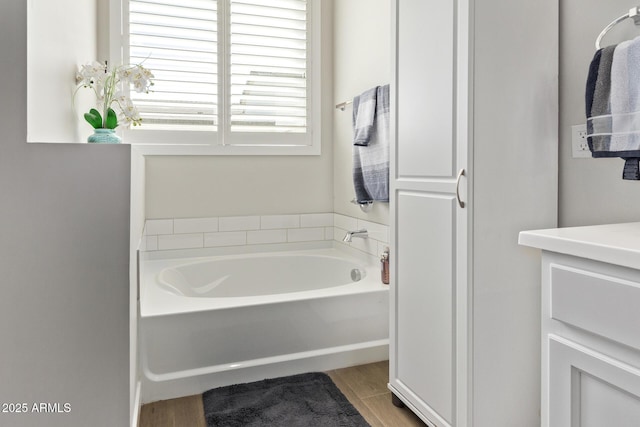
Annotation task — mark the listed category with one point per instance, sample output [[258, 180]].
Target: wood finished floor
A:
[[365, 386]]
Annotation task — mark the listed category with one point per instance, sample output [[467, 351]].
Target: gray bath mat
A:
[[304, 400]]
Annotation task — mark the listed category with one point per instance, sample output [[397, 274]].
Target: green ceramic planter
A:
[[104, 136]]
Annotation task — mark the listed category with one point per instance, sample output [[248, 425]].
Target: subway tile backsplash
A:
[[193, 233], [345, 222], [316, 220], [279, 222], [257, 237], [225, 238], [305, 234], [195, 225], [154, 227], [180, 241], [239, 223]]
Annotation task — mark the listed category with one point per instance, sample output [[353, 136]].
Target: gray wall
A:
[[591, 191], [514, 181], [64, 262]]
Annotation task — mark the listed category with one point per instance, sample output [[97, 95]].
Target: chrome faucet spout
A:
[[350, 234]]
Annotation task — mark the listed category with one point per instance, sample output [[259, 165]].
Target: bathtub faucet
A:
[[360, 233]]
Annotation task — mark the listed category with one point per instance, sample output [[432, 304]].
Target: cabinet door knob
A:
[[460, 175]]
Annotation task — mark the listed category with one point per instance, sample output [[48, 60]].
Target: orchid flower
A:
[[111, 89]]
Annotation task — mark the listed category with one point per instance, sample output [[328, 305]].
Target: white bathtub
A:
[[225, 319]]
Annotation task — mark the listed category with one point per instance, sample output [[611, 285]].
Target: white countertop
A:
[[617, 244]]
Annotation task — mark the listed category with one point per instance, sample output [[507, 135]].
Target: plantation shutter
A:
[[177, 40], [268, 66], [244, 73]]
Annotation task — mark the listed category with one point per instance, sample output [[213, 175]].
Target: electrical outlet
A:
[[579, 145]]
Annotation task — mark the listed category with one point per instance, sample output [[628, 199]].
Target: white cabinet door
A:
[[428, 222], [424, 291], [589, 389], [425, 89]]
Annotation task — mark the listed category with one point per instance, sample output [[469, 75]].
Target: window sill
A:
[[202, 143], [222, 150]]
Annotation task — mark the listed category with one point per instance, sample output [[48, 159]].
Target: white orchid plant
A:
[[111, 90]]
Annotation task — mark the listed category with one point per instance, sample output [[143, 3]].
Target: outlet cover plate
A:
[[579, 145]]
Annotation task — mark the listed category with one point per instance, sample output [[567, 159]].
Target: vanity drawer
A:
[[605, 305]]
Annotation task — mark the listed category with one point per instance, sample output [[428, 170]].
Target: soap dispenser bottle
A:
[[384, 266]]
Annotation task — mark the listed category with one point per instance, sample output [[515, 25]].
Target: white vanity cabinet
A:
[[590, 325], [473, 162]]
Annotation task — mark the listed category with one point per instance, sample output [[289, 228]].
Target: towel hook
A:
[[634, 13]]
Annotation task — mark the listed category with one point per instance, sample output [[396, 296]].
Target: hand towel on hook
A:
[[371, 145]]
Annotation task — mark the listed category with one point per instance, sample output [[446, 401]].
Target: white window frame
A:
[[184, 142]]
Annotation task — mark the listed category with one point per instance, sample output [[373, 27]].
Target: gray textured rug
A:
[[304, 400]]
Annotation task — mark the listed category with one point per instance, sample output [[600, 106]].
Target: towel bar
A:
[[342, 105], [634, 13]]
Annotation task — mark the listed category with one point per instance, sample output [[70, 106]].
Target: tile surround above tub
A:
[[194, 233]]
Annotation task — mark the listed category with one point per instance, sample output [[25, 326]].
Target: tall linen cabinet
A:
[[473, 162]]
